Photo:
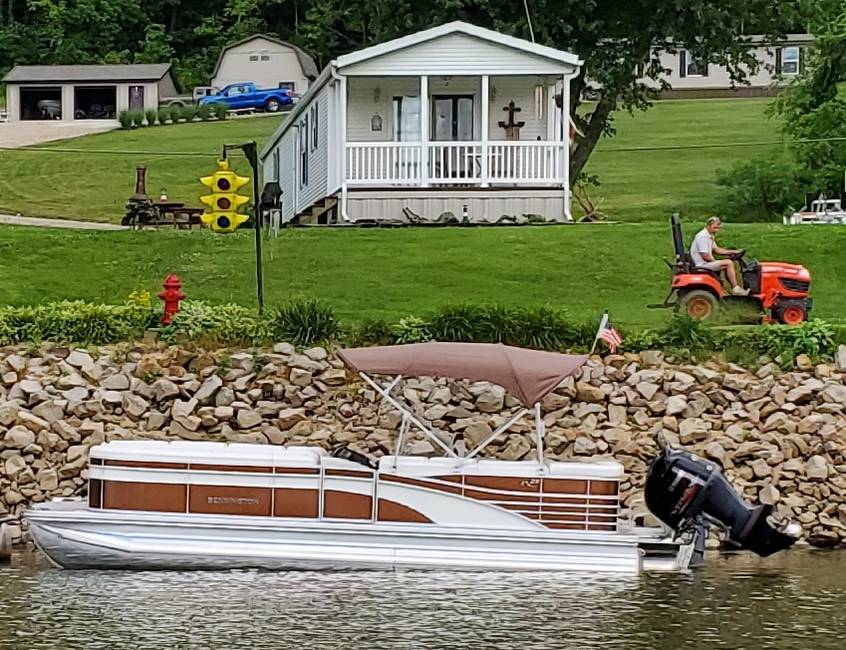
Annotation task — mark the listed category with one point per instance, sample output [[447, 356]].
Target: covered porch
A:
[[461, 131]]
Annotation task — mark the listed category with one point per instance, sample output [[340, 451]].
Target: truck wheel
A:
[[699, 304], [272, 105], [791, 314]]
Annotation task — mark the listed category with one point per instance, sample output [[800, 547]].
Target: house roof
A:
[[64, 73], [458, 27], [337, 65], [306, 62]]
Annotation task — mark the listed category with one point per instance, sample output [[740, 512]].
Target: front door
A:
[[452, 121], [136, 98]]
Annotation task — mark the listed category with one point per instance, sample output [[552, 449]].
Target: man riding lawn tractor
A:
[[781, 289]]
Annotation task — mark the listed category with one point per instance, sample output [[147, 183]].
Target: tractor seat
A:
[[687, 262], [700, 269]]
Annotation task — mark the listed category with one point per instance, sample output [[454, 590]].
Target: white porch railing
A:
[[401, 163]]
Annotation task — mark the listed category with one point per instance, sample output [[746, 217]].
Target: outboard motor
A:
[[686, 492]]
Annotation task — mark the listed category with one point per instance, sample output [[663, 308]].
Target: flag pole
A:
[[602, 322]]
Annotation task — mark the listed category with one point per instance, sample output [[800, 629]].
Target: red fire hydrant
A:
[[171, 296]]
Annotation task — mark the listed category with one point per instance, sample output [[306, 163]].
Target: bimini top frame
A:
[[529, 375]]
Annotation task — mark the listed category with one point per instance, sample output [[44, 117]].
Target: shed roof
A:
[[99, 73], [306, 62]]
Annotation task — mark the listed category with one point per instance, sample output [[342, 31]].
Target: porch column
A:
[[565, 144], [486, 101], [342, 142], [424, 131]]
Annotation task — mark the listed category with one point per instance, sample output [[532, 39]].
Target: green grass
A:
[[96, 186], [636, 185], [649, 185], [394, 273]]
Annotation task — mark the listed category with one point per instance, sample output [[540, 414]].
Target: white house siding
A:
[[369, 96], [442, 55], [283, 65]]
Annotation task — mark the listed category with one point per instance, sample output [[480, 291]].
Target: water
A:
[[793, 600]]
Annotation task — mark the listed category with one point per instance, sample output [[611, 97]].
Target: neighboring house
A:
[[267, 62], [780, 61], [68, 92], [455, 119]]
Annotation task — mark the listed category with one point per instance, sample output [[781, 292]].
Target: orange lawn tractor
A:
[[776, 287]]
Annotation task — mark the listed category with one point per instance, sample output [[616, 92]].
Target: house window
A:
[[304, 152], [287, 85], [790, 57], [406, 119], [315, 127], [689, 66], [265, 57], [254, 57]]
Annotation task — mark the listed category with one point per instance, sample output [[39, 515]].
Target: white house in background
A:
[[453, 119], [781, 62], [267, 62]]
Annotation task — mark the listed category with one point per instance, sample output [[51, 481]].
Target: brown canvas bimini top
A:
[[529, 375]]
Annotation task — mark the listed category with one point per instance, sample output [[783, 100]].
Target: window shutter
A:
[[704, 70], [801, 60], [778, 61], [683, 63]]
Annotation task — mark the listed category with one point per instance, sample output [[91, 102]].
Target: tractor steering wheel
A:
[[738, 255]]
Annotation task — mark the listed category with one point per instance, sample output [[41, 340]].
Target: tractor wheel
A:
[[791, 315], [699, 304], [272, 105]]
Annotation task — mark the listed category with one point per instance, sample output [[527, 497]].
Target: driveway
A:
[[40, 222], [25, 133]]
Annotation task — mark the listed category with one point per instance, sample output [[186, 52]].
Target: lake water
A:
[[795, 600]]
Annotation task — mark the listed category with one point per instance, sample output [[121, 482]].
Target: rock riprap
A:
[[779, 435]]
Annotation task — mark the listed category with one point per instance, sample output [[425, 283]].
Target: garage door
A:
[[94, 102], [41, 103]]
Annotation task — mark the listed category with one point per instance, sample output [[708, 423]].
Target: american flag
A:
[[607, 333]]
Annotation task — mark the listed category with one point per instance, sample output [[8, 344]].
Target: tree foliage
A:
[[614, 37]]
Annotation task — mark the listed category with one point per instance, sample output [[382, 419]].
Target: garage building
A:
[[85, 92]]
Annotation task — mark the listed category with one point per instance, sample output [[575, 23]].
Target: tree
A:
[[614, 37]]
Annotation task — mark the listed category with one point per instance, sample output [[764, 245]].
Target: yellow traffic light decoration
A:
[[223, 203]]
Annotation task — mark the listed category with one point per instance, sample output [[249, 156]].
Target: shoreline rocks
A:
[[779, 435]]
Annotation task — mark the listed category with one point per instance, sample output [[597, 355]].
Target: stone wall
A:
[[781, 436]]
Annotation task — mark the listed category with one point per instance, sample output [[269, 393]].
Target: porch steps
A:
[[322, 212]]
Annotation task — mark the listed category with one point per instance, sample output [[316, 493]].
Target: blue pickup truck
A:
[[246, 96]]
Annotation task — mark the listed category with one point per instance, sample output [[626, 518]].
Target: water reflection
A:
[[790, 601]]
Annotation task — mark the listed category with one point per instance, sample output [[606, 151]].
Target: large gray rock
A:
[[248, 419], [14, 465], [840, 358], [491, 399], [835, 393], [676, 405], [79, 359], [115, 382], [816, 468], [208, 390], [164, 389], [588, 393], [18, 437]]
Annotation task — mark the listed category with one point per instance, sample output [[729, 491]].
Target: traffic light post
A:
[[223, 203]]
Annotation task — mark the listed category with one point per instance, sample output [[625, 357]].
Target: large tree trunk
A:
[[595, 127]]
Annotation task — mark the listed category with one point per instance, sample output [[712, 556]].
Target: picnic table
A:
[[164, 213]]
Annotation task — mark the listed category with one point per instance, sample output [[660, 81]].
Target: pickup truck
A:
[[246, 96]]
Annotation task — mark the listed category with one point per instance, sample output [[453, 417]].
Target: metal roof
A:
[[99, 73]]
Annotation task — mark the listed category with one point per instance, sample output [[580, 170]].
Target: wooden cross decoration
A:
[[512, 128]]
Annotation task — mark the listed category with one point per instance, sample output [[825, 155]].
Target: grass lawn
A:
[[393, 273], [636, 185], [96, 186], [647, 185]]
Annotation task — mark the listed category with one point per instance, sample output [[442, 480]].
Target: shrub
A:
[[163, 114], [220, 110], [372, 331], [151, 115], [411, 329], [188, 112], [204, 112], [687, 333], [222, 324], [303, 322], [137, 118], [814, 338], [760, 189], [175, 111], [74, 322], [125, 119]]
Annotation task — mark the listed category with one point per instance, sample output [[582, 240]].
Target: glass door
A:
[[452, 121]]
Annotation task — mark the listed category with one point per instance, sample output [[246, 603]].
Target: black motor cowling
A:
[[684, 491]]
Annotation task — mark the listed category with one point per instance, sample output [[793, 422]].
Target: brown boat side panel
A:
[[608, 488], [499, 496], [450, 478], [95, 493], [505, 483], [564, 486], [393, 511], [557, 516], [252, 469], [523, 507], [145, 464], [391, 478], [576, 501], [297, 470], [225, 500], [296, 502], [350, 472], [155, 497], [347, 505]]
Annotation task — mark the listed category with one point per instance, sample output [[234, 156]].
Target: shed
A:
[[266, 61], [85, 92]]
